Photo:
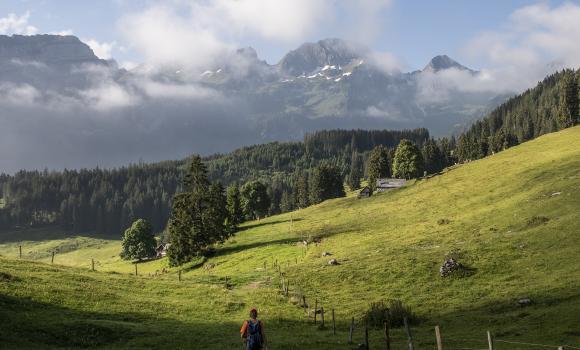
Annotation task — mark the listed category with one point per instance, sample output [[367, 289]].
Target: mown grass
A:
[[501, 216]]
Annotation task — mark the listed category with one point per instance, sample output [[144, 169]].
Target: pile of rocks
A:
[[449, 266]]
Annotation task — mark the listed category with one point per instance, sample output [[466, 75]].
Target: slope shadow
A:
[[261, 224], [293, 240], [45, 233], [29, 324]]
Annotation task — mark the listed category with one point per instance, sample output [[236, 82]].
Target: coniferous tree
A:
[[408, 161], [216, 214], [198, 217], [379, 165], [302, 191], [234, 207], [568, 109], [326, 184], [286, 202], [432, 157], [354, 176]]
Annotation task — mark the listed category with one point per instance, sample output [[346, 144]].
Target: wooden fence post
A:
[[264, 265], [366, 338], [315, 309], [179, 276], [351, 330], [93, 264], [333, 323], [490, 340], [52, 259], [322, 316], [304, 302], [409, 337], [20, 251], [560, 348], [438, 336], [136, 269], [226, 282], [387, 338]]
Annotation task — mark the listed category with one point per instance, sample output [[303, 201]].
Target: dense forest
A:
[[550, 106], [108, 201], [101, 201]]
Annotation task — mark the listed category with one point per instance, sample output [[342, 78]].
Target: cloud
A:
[[18, 94], [109, 96], [197, 34], [64, 32], [535, 41], [385, 61], [102, 50], [14, 24]]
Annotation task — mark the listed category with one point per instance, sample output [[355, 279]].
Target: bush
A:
[[537, 221], [395, 313], [443, 221]]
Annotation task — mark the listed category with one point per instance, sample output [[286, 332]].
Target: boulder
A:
[[326, 254], [332, 262], [525, 302], [449, 266]]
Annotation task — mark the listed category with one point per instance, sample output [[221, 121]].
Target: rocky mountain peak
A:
[[442, 62], [310, 56], [48, 49]]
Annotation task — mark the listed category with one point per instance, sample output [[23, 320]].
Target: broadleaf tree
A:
[[138, 241]]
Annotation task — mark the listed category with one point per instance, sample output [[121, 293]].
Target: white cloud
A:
[[128, 65], [102, 50], [18, 94], [385, 61], [14, 24], [535, 41], [176, 91], [109, 96], [197, 34], [64, 32]]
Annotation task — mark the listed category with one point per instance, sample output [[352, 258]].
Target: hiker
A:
[[252, 332]]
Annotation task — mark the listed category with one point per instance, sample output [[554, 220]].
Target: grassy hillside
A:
[[512, 218]]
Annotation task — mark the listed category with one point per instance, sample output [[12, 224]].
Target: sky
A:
[[411, 31]]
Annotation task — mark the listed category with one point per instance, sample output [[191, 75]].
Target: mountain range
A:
[[62, 106]]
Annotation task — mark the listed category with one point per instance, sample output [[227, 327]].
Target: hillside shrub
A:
[[395, 312], [537, 221]]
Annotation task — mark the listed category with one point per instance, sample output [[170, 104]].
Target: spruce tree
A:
[[353, 179], [326, 184], [408, 161], [234, 207], [432, 157], [216, 214], [378, 166], [568, 109], [198, 217], [286, 202], [302, 191]]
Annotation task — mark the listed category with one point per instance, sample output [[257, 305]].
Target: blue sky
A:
[[413, 31]]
